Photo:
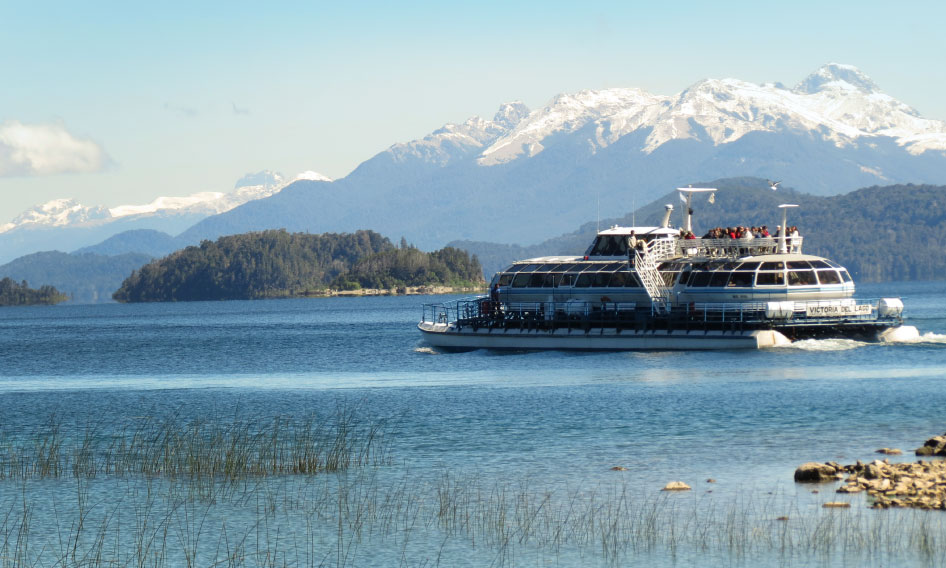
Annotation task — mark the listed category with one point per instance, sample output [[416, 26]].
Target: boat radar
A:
[[688, 193]]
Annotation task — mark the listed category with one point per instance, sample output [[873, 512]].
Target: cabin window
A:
[[521, 280], [619, 280], [719, 279], [550, 279], [845, 276], [801, 278], [700, 279], [528, 267], [819, 264], [797, 264], [568, 267], [669, 277], [773, 265], [505, 279], [750, 266], [610, 245], [829, 276], [567, 280], [584, 280], [741, 280], [536, 280], [601, 279], [770, 278]]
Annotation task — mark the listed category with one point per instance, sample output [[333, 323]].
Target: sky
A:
[[115, 103]]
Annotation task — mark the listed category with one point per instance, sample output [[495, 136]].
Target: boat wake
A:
[[826, 344], [926, 338], [426, 350]]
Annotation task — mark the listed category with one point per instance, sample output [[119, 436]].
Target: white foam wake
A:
[[826, 344]]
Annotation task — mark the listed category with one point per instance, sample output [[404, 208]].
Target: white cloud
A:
[[45, 149]]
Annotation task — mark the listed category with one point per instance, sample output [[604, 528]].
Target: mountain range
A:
[[525, 175]]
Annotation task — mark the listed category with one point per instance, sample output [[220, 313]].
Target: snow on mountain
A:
[[57, 213], [838, 103], [613, 110], [69, 212], [457, 140]]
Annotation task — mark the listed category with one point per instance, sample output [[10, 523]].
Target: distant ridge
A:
[[880, 233]]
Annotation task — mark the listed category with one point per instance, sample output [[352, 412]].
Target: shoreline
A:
[[399, 291]]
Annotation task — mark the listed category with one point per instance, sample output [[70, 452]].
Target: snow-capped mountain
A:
[[524, 176], [454, 141], [57, 213], [527, 175], [69, 212], [838, 103], [66, 224]]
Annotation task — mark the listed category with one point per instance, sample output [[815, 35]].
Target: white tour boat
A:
[[653, 288]]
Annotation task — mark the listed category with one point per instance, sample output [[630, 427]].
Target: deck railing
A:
[[483, 312], [725, 248]]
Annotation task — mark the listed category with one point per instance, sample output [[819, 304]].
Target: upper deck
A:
[[614, 243]]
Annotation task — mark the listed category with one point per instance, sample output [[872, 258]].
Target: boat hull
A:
[[448, 336]]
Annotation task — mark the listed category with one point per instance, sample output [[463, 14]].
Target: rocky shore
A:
[[920, 485]]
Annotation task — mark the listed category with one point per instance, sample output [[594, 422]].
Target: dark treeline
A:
[[13, 294], [409, 266], [272, 264]]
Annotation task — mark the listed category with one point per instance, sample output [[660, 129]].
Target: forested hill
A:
[[272, 264], [892, 232], [14, 294]]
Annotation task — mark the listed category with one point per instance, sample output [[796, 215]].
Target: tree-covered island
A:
[[14, 294], [278, 264]]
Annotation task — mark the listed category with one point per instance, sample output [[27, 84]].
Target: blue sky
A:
[[120, 102]]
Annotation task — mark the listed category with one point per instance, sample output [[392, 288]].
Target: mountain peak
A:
[[511, 114], [265, 178], [837, 76]]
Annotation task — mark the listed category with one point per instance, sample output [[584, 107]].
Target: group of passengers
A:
[[738, 232], [749, 233]]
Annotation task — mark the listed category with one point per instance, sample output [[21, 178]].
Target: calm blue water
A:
[[540, 421]]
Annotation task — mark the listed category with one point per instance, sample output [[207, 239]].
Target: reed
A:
[[312, 492]]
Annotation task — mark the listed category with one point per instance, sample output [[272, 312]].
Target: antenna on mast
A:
[[686, 195]]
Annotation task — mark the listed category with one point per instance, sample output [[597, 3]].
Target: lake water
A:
[[488, 458]]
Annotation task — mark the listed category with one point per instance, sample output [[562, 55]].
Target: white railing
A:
[[645, 264], [724, 248]]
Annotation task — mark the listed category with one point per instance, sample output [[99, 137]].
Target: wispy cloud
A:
[[238, 110], [180, 110], [46, 149]]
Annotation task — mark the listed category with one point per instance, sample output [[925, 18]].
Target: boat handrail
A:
[[732, 248], [483, 311]]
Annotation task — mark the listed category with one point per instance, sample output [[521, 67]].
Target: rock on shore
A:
[[935, 446], [919, 485]]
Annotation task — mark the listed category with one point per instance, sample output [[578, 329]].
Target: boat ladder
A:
[[645, 265]]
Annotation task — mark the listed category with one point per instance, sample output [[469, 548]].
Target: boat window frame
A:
[[832, 271], [780, 274], [790, 274]]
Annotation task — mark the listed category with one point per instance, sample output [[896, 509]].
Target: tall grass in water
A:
[[197, 449], [308, 492]]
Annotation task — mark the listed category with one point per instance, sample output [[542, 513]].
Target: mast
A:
[[782, 248], [686, 195]]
